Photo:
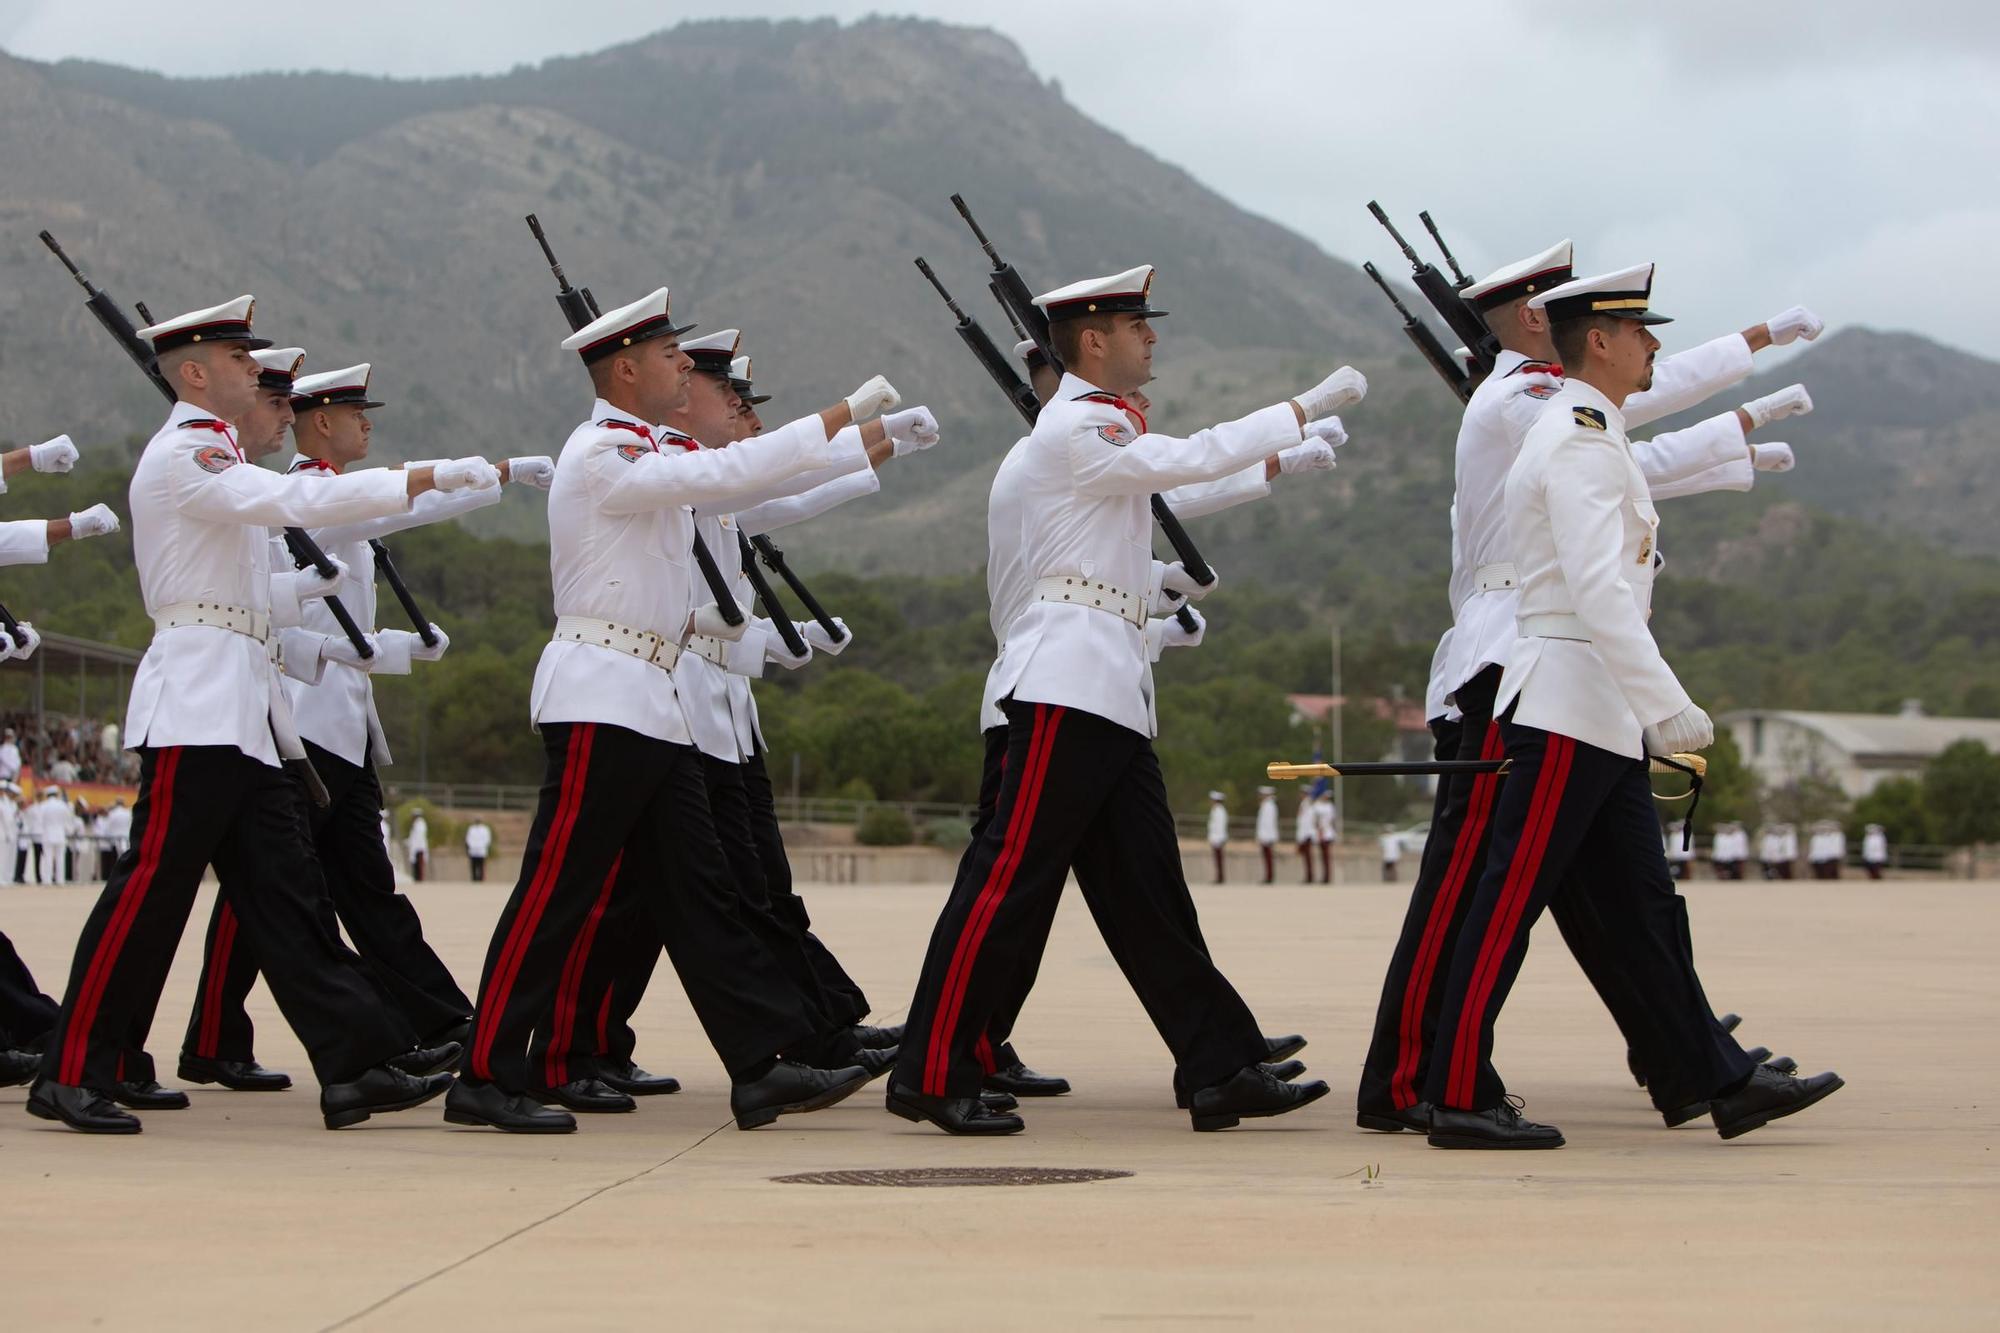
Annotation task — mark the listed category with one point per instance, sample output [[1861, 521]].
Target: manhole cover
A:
[[919, 1176]]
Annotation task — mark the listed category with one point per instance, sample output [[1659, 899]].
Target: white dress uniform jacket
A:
[[1302, 822], [621, 529], [1218, 826], [333, 704], [24, 541], [1085, 479], [1875, 848], [200, 517], [1584, 534], [1485, 579], [1267, 822]]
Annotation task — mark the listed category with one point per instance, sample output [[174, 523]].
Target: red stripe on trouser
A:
[[1416, 993], [1522, 872], [982, 1050], [501, 984], [604, 1021], [556, 1066], [218, 975], [998, 881], [76, 1039]]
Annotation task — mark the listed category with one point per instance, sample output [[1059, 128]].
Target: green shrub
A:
[[884, 826]]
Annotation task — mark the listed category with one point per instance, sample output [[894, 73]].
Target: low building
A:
[[1856, 751]]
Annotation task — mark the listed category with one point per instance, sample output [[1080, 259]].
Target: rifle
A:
[[1444, 298], [13, 628], [579, 310], [1443, 362], [773, 558], [1458, 277], [1012, 291], [996, 365], [774, 610], [304, 550]]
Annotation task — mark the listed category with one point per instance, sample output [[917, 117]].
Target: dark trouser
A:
[[347, 836], [619, 809], [1306, 855], [26, 1015], [1076, 788], [1388, 872], [1326, 860], [1874, 869], [1576, 823], [846, 1002], [1218, 852], [1270, 862], [478, 864], [1826, 869], [203, 805], [418, 862]]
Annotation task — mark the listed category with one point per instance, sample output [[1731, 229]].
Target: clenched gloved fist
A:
[[92, 522], [1798, 322], [777, 650], [57, 455], [338, 648], [465, 474], [1772, 457], [1343, 388], [1790, 401], [1166, 632], [911, 430], [707, 619], [1686, 730], [816, 635], [537, 470], [421, 651], [1312, 456], [309, 583], [1328, 429], [30, 641], [1175, 578], [876, 396]]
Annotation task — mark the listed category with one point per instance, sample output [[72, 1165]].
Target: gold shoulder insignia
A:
[[1588, 416]]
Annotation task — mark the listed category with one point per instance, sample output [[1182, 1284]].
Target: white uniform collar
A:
[[1577, 391], [600, 410], [1075, 386]]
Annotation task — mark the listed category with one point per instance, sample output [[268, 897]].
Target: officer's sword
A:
[[1694, 764]]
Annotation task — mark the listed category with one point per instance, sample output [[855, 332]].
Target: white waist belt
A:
[[653, 649], [1493, 577], [1077, 590], [1552, 625], [708, 646], [241, 620]]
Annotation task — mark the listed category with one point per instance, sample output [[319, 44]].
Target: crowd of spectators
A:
[[58, 748]]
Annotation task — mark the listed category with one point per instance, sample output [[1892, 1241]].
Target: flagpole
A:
[[1339, 706]]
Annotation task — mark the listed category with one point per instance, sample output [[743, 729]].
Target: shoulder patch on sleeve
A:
[[632, 453], [1588, 416], [1542, 391], [214, 458], [1114, 434]]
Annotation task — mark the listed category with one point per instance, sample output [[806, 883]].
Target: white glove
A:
[[911, 430], [1772, 457], [775, 649], [1790, 401], [309, 583], [92, 522], [418, 651], [1798, 322], [24, 651], [1328, 429], [1175, 578], [816, 635], [57, 455], [1165, 632], [6, 647], [337, 648], [465, 474], [1312, 456], [537, 470], [1343, 388], [1686, 730], [877, 395], [708, 620]]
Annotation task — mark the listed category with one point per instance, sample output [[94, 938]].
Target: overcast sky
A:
[[1838, 153]]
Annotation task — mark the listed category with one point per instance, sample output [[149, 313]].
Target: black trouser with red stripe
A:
[[347, 836], [846, 1003], [203, 805], [26, 1015], [1576, 823], [622, 809], [1076, 789]]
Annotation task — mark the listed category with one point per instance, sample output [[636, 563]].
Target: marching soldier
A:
[[1080, 778], [1584, 696], [624, 804], [1485, 590], [1874, 850], [1218, 831], [1267, 830], [1302, 832], [211, 725]]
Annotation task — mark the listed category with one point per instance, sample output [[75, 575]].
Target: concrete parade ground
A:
[[1879, 1208]]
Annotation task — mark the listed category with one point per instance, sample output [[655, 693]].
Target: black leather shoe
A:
[[377, 1092], [236, 1075], [457, 1033], [1417, 1118], [18, 1067], [878, 1039], [1675, 1119], [148, 1095], [1282, 1048], [588, 1095], [84, 1109], [1287, 1071], [496, 1108], [998, 1101], [877, 1060], [636, 1082], [1251, 1093], [1730, 1022], [790, 1088], [1022, 1081], [1759, 1054], [1502, 1127], [953, 1115], [1768, 1096], [1784, 1064], [427, 1060]]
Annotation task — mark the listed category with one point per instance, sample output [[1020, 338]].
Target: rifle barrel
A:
[[385, 565], [1394, 235], [1458, 274], [774, 610]]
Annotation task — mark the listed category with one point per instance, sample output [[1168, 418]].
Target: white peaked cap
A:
[[1215, 796], [1126, 292], [1623, 294], [347, 387], [739, 369], [284, 360], [648, 317], [714, 351], [228, 322], [1524, 277]]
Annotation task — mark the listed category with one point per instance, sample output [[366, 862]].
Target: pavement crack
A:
[[516, 1233]]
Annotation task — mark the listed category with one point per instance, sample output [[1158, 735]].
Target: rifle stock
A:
[[1460, 318], [1427, 344], [997, 366], [774, 610]]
